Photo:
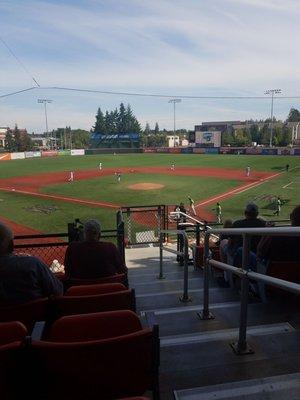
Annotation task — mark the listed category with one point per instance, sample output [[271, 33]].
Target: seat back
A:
[[110, 368], [70, 305], [27, 313], [286, 270], [118, 278], [85, 290], [12, 336]]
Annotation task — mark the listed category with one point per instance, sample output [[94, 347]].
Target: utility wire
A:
[[19, 91], [165, 95], [19, 61], [137, 94]]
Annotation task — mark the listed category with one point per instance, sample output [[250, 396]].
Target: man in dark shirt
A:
[[23, 278], [92, 258], [235, 242]]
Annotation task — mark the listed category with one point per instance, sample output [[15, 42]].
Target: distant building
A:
[[295, 126], [39, 142], [3, 132], [173, 141]]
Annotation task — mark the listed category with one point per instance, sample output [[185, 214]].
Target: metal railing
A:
[[184, 253], [245, 273]]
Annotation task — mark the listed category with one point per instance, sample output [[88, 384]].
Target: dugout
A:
[[116, 141]]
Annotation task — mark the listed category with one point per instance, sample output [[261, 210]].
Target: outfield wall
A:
[[158, 150]]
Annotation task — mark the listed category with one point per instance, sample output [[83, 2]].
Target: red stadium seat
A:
[[12, 336], [27, 313], [85, 290], [118, 278], [70, 305], [286, 270], [97, 356]]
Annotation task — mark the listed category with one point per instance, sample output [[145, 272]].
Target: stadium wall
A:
[[162, 150]]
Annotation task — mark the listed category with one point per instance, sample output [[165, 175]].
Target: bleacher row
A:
[[89, 345]]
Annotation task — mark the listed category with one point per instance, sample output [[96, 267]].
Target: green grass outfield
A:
[[28, 210]]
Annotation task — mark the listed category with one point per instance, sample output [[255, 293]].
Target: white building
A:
[[173, 141], [3, 131]]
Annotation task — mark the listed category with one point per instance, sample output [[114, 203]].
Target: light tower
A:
[[272, 92], [174, 101], [45, 101]]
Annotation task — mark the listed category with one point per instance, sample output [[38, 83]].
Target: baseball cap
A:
[[251, 208]]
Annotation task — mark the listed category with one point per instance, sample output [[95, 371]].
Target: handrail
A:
[[185, 253], [241, 347], [205, 226]]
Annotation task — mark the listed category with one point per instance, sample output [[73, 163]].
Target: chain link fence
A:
[[142, 223]]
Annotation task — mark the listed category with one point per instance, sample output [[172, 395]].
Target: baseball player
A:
[[100, 166], [248, 171], [192, 205], [71, 178]]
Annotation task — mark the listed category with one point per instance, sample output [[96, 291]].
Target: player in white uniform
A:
[[172, 167], [248, 171], [100, 166], [71, 178]]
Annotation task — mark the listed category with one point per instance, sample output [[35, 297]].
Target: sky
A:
[[171, 47]]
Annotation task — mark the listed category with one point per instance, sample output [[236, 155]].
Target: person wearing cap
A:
[[92, 258], [192, 205], [23, 278]]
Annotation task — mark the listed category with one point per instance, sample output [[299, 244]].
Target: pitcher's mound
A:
[[145, 186]]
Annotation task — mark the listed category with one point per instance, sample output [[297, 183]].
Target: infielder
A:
[[192, 205], [100, 166], [248, 171], [71, 178]]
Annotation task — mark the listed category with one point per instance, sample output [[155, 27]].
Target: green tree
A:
[[122, 119], [156, 129], [294, 115], [147, 130], [80, 138], [255, 133], [10, 143], [100, 122]]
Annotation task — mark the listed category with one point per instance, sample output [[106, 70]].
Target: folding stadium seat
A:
[[27, 313], [96, 356], [12, 336], [84, 304], [286, 270], [85, 290], [118, 278]]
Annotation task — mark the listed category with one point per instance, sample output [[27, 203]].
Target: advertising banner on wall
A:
[[296, 152], [148, 150], [174, 150], [17, 156], [187, 150], [32, 154], [162, 150], [198, 150], [253, 150], [64, 152], [269, 152], [284, 152], [77, 152], [211, 150], [49, 153], [4, 156]]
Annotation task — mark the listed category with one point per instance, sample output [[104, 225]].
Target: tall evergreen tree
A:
[[147, 130], [100, 122], [156, 129], [122, 119]]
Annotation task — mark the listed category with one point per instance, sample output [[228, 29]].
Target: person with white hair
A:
[[93, 258], [23, 278]]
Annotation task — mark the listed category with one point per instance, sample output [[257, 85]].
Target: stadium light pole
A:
[[174, 101], [45, 101], [272, 92]]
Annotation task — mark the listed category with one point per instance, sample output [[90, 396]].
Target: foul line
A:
[[285, 186], [69, 199], [238, 190]]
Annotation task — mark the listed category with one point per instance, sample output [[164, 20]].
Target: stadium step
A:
[[203, 363], [280, 387]]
